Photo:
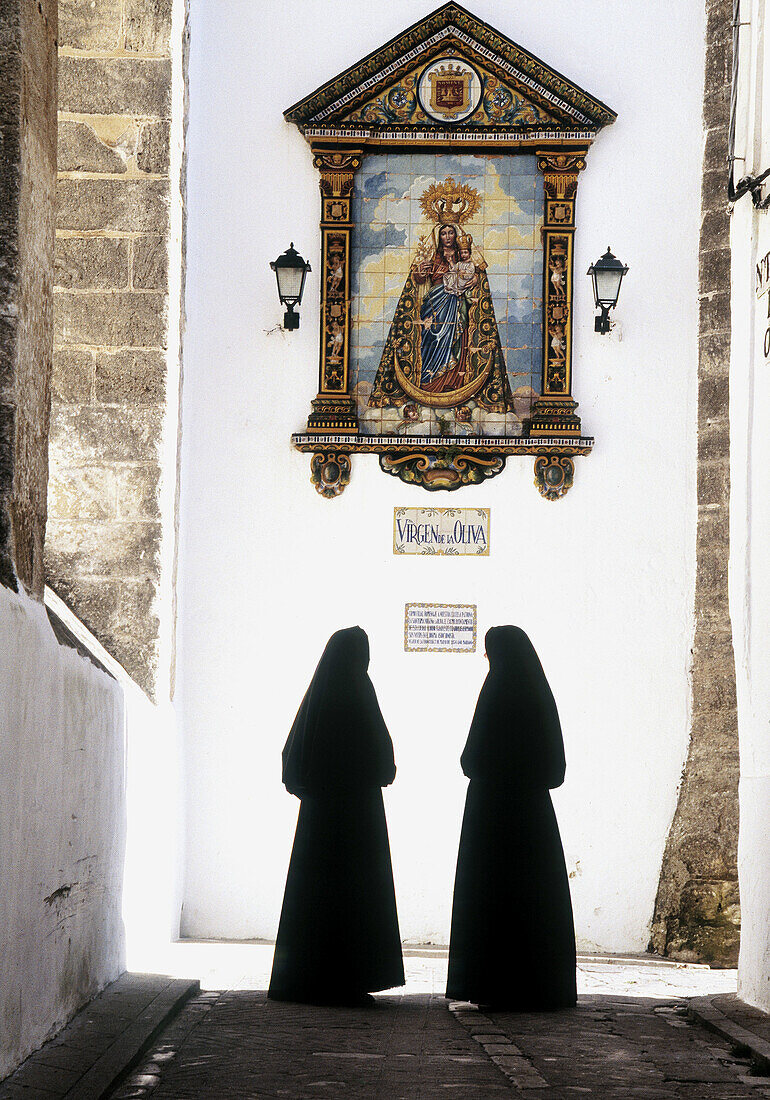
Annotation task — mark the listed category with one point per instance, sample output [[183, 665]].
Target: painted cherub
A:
[[336, 273], [337, 341], [557, 268], [558, 341]]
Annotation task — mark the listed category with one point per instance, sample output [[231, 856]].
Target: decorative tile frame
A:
[[450, 83]]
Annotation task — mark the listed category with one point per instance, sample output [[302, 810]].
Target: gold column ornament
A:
[[554, 410], [554, 474], [334, 409], [330, 472]]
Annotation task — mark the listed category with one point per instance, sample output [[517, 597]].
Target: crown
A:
[[449, 70], [464, 240], [450, 202]]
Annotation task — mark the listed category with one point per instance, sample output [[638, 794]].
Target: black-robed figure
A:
[[338, 936], [512, 944]]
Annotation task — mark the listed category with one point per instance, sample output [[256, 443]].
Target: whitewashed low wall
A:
[[154, 841], [754, 967], [62, 829], [750, 541]]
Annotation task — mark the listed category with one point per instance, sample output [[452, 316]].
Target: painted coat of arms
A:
[[443, 347], [450, 89]]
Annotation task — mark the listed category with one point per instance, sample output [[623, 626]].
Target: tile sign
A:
[[440, 628], [455, 531]]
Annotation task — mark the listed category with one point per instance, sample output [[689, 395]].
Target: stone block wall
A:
[[697, 913], [62, 745], [111, 326], [27, 181]]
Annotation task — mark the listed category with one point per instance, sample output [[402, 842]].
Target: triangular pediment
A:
[[451, 73]]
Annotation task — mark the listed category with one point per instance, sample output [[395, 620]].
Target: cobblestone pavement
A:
[[628, 1038]]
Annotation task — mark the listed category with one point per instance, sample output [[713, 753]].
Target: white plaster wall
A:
[[602, 580], [62, 829], [749, 519], [151, 869]]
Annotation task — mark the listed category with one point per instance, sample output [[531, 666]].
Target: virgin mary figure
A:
[[443, 347], [443, 324]]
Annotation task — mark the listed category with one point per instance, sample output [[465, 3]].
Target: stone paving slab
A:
[[746, 1027], [613, 1049], [245, 1046], [630, 1037], [86, 1058], [419, 1046]]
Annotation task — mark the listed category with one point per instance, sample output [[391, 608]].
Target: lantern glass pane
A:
[[607, 285], [290, 280]]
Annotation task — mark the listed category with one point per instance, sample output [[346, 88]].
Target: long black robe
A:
[[512, 943], [338, 936]]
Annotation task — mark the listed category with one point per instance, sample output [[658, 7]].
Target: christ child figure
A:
[[461, 275], [460, 278]]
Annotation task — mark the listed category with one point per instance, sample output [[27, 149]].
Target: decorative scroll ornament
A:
[[336, 310], [334, 408], [337, 171], [449, 469], [501, 105], [554, 475], [561, 174], [554, 412], [450, 31], [330, 472], [557, 334]]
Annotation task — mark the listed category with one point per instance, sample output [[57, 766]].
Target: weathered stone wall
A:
[[111, 287], [10, 121], [27, 181], [697, 913], [62, 746]]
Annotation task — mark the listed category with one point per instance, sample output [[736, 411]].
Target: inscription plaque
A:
[[440, 628]]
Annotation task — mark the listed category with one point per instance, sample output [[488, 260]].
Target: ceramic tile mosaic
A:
[[505, 228]]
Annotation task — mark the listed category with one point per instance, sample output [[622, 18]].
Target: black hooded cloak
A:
[[338, 936], [512, 943]]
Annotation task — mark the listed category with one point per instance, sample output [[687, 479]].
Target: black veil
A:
[[338, 936], [515, 734], [511, 886], [339, 739]]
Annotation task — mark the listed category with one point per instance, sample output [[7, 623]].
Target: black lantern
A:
[[290, 272], [607, 275]]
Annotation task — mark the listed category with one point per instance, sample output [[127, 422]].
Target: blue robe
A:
[[438, 337]]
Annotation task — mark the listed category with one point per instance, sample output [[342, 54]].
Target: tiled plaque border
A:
[[330, 119]]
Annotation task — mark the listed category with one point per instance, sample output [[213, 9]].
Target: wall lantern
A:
[[290, 273], [607, 275]]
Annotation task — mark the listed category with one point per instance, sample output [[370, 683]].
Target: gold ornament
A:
[[450, 202]]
